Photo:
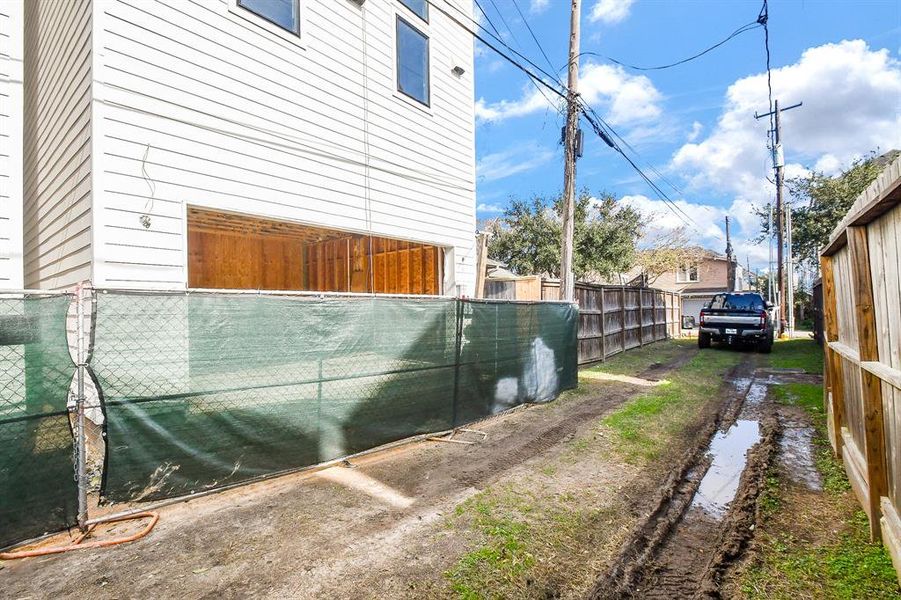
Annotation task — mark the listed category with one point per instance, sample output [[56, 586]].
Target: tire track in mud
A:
[[681, 549]]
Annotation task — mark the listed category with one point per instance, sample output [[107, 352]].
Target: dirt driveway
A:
[[539, 507]]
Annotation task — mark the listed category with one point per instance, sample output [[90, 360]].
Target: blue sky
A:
[[694, 123]]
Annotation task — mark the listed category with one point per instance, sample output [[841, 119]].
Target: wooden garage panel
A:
[[231, 251]]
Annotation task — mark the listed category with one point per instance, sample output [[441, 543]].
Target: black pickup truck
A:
[[737, 318]]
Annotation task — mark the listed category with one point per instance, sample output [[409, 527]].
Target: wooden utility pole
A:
[[570, 140], [779, 165]]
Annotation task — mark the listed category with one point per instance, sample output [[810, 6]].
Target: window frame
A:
[[296, 3], [244, 16], [427, 105], [683, 274], [425, 18]]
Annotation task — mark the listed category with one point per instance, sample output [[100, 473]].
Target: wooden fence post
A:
[[834, 388], [622, 314], [640, 317], [603, 326], [871, 386]]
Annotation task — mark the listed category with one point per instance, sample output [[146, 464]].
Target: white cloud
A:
[[696, 129], [610, 11], [538, 6], [530, 102], [850, 96], [623, 98], [513, 161], [851, 106], [489, 208]]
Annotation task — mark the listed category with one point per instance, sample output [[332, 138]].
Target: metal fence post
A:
[[458, 349], [81, 438]]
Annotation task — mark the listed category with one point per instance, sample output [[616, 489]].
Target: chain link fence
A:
[[37, 485], [174, 393]]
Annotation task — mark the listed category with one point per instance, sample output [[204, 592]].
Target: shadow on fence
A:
[[204, 390]]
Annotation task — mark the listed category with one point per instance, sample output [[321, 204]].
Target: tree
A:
[[667, 252], [527, 237], [820, 202]]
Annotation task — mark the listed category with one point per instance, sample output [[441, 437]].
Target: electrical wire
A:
[[668, 202], [501, 42], [744, 28], [532, 33], [551, 103]]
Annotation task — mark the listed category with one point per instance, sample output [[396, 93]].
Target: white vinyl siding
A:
[[11, 48], [312, 130], [57, 152]]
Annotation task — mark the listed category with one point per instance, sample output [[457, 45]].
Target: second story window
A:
[[419, 7], [412, 62], [687, 274], [284, 13]]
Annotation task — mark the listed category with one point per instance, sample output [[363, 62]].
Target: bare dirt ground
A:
[[381, 528]]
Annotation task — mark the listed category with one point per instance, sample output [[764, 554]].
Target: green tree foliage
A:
[[527, 237], [820, 202]]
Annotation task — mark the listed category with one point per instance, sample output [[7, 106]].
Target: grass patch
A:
[[815, 545], [494, 565], [797, 354], [516, 527], [849, 568], [645, 424]]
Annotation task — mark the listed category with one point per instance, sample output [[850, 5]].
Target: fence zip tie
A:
[[78, 545]]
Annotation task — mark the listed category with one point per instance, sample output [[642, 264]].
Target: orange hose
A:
[[77, 545]]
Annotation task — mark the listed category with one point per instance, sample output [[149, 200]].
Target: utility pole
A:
[[769, 275], [779, 166], [570, 140], [730, 261]]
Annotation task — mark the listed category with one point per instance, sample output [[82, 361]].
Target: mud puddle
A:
[[728, 453], [707, 516]]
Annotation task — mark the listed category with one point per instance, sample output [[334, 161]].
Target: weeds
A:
[[644, 425], [797, 354], [815, 545]]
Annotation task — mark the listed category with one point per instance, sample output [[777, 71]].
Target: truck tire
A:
[[703, 340], [765, 345]]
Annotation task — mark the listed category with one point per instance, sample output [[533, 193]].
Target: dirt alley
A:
[[377, 529]]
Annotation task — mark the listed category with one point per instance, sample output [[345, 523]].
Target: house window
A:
[[419, 7], [412, 62], [284, 13], [687, 274]]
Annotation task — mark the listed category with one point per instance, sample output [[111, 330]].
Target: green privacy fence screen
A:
[[207, 390], [37, 485]]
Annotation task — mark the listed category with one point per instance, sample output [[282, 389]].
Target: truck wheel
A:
[[703, 340], [765, 345]]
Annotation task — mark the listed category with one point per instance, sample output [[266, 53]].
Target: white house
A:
[[277, 144], [11, 47]]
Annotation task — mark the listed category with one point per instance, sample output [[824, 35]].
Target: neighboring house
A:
[[11, 118], [698, 282], [273, 144]]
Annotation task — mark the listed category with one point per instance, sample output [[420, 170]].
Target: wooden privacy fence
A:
[[862, 330], [615, 318]]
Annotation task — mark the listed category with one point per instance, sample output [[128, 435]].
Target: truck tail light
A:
[[702, 318], [763, 319]]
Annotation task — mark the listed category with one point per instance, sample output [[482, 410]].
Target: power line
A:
[[532, 33], [493, 47], [504, 21], [744, 28], [668, 202]]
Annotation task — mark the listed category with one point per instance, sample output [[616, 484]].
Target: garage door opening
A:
[[230, 251]]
